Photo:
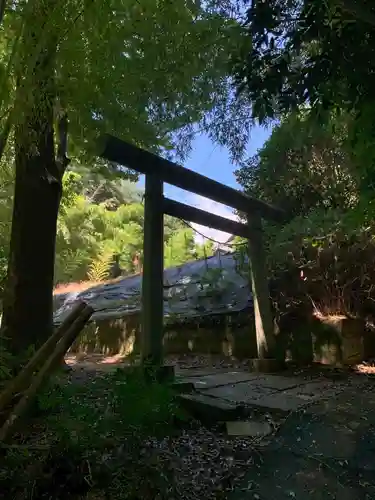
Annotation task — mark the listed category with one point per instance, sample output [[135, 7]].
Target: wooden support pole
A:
[[65, 342], [153, 270], [259, 282], [17, 384]]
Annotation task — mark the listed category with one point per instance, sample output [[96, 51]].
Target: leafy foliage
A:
[[322, 259], [181, 247], [317, 57], [303, 165], [324, 262], [304, 52], [310, 65], [69, 264], [113, 190], [143, 71]]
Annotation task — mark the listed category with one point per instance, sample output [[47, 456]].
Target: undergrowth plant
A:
[[90, 438], [127, 404]]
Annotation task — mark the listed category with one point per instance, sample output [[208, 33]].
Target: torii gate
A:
[[158, 171]]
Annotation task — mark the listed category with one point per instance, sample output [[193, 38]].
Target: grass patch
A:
[[90, 438]]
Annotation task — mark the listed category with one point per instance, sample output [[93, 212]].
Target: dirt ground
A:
[[103, 363]]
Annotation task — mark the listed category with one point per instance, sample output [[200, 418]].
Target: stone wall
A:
[[218, 335], [332, 340], [109, 337], [236, 341]]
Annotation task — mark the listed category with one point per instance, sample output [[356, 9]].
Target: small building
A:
[[207, 309]]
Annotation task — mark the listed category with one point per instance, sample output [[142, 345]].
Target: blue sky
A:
[[212, 161]]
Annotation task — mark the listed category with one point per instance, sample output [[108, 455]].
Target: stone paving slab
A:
[[279, 382], [315, 391], [273, 382], [314, 388], [298, 397], [200, 372], [221, 379], [265, 392], [242, 392], [271, 393], [280, 402]]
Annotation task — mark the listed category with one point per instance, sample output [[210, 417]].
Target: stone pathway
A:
[[274, 393], [324, 446]]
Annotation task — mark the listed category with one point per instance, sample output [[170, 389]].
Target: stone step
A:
[[183, 387], [208, 409], [249, 428]]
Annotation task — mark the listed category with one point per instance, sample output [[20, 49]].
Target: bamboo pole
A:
[[61, 347], [18, 383]]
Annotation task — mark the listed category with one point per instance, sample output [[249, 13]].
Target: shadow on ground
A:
[[324, 452]]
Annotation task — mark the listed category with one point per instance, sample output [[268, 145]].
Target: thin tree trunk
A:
[[2, 9], [4, 134], [28, 304]]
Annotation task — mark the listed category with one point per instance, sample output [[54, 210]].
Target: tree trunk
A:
[[28, 306]]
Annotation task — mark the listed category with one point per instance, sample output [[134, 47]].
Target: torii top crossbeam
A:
[[123, 153]]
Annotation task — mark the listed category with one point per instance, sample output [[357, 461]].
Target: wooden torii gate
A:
[[158, 171]]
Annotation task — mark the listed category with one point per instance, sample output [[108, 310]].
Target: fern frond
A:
[[67, 262], [100, 268]]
